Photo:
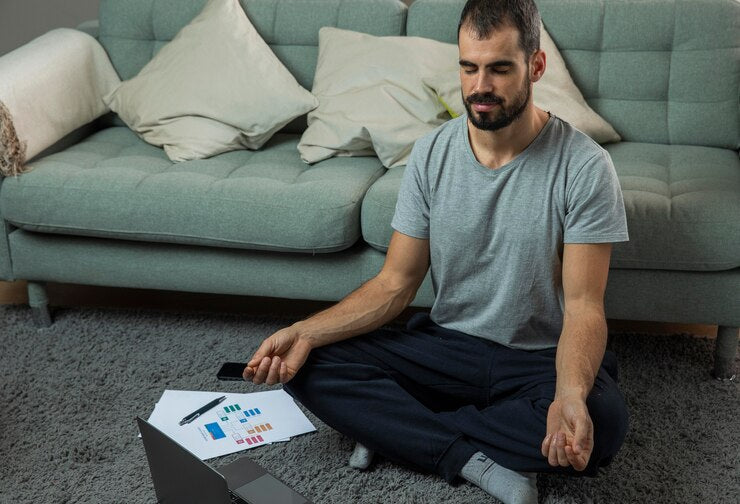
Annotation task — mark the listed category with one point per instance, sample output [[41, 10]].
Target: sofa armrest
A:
[[91, 27], [50, 87]]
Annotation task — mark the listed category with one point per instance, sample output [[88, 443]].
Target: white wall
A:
[[23, 20]]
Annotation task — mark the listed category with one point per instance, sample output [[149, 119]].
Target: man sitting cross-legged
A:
[[515, 212]]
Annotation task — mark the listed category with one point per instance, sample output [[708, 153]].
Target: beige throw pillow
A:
[[371, 95], [555, 92], [216, 87]]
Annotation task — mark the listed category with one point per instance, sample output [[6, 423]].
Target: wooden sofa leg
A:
[[39, 303], [725, 349]]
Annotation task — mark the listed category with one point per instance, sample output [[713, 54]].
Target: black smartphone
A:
[[231, 371]]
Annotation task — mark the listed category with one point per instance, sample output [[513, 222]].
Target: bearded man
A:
[[515, 211]]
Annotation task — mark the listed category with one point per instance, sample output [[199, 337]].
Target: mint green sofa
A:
[[102, 207]]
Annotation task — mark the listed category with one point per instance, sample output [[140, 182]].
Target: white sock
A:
[[508, 486], [361, 457]]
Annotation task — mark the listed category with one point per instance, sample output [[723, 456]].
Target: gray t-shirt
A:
[[496, 236]]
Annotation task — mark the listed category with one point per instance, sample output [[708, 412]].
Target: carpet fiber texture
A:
[[69, 395]]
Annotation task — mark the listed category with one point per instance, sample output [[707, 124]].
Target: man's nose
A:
[[483, 83]]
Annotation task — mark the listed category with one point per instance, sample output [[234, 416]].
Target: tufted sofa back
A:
[[132, 31], [660, 71]]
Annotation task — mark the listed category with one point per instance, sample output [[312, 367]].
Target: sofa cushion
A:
[[683, 207], [682, 203], [115, 185], [175, 101], [371, 96]]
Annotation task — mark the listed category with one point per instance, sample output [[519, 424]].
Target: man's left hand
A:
[[570, 433]]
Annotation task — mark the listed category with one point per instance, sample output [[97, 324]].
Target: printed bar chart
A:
[[239, 422], [235, 422]]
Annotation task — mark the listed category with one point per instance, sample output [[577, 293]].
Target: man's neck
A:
[[497, 148]]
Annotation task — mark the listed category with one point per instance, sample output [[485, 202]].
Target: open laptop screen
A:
[[180, 477]]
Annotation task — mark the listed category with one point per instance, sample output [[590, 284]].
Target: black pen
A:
[[195, 414]]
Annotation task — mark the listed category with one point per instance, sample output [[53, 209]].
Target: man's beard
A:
[[506, 115]]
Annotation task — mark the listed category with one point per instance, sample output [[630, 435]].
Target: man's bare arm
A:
[[583, 339], [569, 439], [377, 301]]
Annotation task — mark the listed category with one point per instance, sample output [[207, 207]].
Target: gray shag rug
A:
[[69, 395]]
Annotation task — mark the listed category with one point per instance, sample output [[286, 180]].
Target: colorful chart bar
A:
[[260, 428], [215, 431], [254, 440], [234, 409]]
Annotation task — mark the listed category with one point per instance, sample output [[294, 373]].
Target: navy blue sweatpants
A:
[[429, 398]]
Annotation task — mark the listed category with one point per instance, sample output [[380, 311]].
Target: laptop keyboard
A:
[[236, 500]]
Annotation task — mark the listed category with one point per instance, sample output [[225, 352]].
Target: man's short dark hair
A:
[[481, 17]]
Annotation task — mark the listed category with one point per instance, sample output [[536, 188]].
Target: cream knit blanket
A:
[[12, 150], [49, 88]]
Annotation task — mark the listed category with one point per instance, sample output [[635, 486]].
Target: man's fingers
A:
[[266, 349], [248, 373], [255, 362], [552, 454], [283, 372], [262, 370], [273, 375], [577, 461], [545, 449], [583, 438], [552, 457], [571, 456], [560, 444], [583, 442], [573, 459], [263, 351], [560, 453]]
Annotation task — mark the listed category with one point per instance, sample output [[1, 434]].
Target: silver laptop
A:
[[180, 477]]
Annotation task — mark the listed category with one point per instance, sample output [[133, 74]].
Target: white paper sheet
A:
[[240, 422]]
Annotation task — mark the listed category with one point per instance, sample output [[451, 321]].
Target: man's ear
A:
[[537, 65]]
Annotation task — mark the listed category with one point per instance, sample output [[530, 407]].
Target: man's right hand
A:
[[278, 358]]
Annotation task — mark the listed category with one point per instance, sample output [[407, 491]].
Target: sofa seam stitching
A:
[[222, 240]]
